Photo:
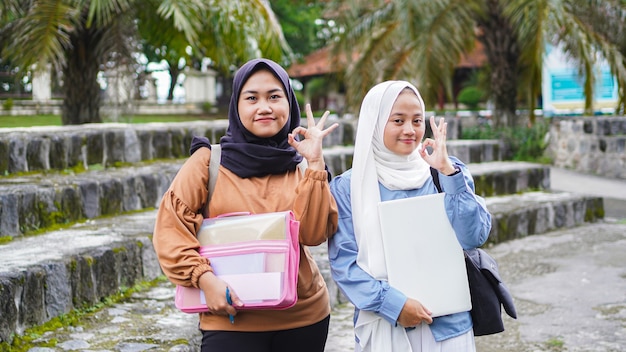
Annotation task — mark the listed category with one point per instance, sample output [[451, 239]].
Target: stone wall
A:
[[590, 144]]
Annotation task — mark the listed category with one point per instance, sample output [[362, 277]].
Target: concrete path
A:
[[613, 190]]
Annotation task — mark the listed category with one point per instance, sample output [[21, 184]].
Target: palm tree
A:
[[82, 37], [424, 40]]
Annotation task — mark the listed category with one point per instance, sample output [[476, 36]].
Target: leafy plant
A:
[[7, 105], [471, 96], [520, 143]]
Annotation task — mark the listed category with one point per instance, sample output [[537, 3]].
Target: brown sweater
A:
[[180, 216]]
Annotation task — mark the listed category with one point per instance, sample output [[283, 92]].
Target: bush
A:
[[520, 143], [471, 96], [7, 104], [527, 143]]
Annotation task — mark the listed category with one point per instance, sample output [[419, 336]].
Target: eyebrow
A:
[[256, 92]]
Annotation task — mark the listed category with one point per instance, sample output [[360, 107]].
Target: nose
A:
[[264, 107], [408, 129]]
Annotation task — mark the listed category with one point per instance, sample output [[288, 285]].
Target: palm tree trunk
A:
[[80, 85], [503, 52], [174, 72]]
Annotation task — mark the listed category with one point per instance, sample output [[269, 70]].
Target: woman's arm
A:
[[315, 208], [364, 291], [467, 211], [178, 219]]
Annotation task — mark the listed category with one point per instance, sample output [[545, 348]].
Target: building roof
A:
[[315, 64], [319, 62]]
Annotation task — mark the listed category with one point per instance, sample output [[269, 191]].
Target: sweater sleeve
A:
[[178, 219], [315, 208]]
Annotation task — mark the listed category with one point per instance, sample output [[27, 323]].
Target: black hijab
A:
[[247, 155]]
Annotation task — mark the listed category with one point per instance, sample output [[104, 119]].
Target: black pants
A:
[[310, 338]]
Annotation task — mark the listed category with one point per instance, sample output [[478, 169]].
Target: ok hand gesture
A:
[[311, 147], [438, 159]]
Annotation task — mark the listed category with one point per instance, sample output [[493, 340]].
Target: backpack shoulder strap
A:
[[435, 175], [214, 165]]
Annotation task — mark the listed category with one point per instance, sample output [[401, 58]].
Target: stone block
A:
[[9, 214], [128, 263], [180, 143], [162, 144], [59, 152], [90, 195], [17, 155], [9, 293], [105, 272], [150, 266], [58, 291], [94, 147], [4, 157], [70, 202], [82, 281], [114, 144], [132, 149], [37, 153], [132, 187], [77, 151], [111, 196], [145, 144], [32, 302], [148, 191]]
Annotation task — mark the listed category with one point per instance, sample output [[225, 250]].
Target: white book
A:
[[423, 256]]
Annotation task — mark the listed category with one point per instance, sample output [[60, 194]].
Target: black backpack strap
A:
[[435, 174]]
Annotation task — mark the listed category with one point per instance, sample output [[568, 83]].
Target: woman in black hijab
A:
[[258, 173]]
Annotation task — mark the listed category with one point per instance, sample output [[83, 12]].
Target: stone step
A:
[[33, 149], [39, 201], [520, 215], [147, 320], [44, 276], [509, 177]]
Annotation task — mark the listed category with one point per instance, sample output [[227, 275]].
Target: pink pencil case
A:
[[256, 255]]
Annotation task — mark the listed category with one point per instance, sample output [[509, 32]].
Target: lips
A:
[[263, 119]]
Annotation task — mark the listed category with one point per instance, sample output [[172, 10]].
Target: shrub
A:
[[470, 97], [7, 104], [520, 143]]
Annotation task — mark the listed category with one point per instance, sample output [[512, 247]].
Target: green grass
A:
[[55, 120], [28, 121]]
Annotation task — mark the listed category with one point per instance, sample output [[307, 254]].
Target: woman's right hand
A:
[[214, 290], [413, 314]]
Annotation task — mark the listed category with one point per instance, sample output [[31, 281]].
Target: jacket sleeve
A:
[[363, 290], [178, 219], [467, 211], [315, 208]]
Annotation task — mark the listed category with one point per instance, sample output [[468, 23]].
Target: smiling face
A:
[[405, 127], [263, 105]]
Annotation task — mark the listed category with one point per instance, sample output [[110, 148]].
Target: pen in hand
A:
[[230, 301]]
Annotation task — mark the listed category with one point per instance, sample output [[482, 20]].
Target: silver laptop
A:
[[423, 256]]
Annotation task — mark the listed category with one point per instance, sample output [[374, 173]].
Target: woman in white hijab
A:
[[391, 162]]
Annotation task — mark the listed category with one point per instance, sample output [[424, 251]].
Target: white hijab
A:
[[395, 172]]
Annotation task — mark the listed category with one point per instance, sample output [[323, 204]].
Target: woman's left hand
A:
[[438, 159], [311, 147]]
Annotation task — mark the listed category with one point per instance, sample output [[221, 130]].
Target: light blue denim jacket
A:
[[469, 218]]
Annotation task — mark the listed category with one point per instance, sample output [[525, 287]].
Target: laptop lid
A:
[[423, 256]]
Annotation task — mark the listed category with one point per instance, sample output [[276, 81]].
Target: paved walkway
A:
[[613, 190]]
